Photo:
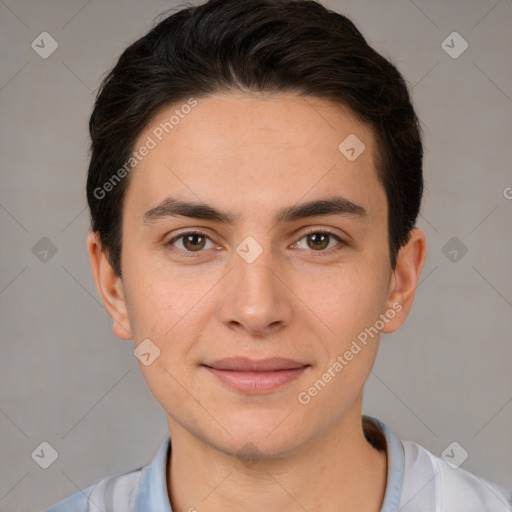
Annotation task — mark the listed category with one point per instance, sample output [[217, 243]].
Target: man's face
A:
[[302, 288]]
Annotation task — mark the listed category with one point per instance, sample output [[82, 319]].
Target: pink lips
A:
[[252, 376]]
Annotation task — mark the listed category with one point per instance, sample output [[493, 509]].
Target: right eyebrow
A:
[[337, 205], [171, 207]]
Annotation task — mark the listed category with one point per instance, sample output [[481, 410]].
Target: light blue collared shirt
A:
[[417, 481]]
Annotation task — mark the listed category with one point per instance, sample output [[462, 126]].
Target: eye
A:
[[191, 241], [319, 241], [197, 241]]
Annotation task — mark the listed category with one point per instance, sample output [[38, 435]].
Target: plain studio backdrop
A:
[[444, 377]]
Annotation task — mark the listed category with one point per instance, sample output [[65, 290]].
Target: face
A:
[[249, 303]]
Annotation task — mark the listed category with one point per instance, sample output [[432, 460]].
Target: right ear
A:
[[110, 287]]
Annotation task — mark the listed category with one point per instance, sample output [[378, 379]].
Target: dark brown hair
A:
[[268, 46]]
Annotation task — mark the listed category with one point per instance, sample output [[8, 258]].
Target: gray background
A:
[[67, 380]]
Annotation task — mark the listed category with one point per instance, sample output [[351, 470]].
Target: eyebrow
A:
[[337, 205]]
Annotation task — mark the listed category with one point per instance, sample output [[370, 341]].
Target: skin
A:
[[251, 155]]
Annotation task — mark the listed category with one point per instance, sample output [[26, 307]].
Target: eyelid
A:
[[314, 229], [328, 231], [199, 231], [189, 231], [169, 244]]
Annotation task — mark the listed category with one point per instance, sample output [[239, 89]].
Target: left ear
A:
[[404, 281]]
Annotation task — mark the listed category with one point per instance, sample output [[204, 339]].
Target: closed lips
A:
[[248, 365]]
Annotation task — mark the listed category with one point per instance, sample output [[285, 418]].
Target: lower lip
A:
[[256, 382]]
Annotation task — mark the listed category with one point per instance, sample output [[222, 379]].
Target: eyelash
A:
[[193, 254]]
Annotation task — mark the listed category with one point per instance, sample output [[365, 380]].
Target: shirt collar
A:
[[395, 456], [152, 492]]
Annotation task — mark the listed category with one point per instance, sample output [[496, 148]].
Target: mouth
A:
[[253, 377]]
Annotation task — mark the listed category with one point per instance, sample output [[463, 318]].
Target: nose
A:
[[255, 299]]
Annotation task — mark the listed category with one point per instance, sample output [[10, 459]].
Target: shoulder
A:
[[431, 484], [112, 491]]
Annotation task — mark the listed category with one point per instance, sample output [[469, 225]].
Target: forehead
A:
[[240, 152]]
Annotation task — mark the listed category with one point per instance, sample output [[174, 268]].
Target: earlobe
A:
[[406, 275], [110, 288]]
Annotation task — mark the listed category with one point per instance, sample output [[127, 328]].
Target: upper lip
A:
[[243, 364]]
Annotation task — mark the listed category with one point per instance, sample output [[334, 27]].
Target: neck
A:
[[340, 467]]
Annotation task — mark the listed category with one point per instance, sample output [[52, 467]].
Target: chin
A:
[[253, 448], [256, 434]]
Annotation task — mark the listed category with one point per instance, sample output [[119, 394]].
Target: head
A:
[[301, 152]]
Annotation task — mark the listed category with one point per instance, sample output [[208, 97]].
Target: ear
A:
[[404, 281], [110, 287]]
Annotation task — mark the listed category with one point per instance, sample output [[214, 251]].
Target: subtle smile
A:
[[253, 377]]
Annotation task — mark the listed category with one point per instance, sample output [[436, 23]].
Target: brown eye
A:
[[320, 241], [194, 241], [190, 242]]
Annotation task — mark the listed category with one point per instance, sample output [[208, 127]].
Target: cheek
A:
[[351, 310], [172, 369], [349, 301], [162, 297], [165, 384], [167, 311]]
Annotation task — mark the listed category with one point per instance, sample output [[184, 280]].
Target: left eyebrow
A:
[[336, 205]]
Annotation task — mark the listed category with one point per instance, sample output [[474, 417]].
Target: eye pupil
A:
[[319, 240], [192, 239]]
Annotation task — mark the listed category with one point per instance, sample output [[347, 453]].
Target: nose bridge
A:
[[252, 266], [254, 297]]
